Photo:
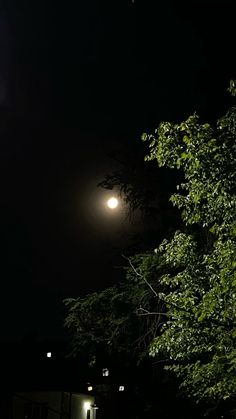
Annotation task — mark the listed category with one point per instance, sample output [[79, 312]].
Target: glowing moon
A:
[[112, 203]]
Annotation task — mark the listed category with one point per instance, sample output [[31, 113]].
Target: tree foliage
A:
[[115, 320], [200, 336], [180, 299]]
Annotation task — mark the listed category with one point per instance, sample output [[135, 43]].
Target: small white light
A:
[[105, 372], [90, 388], [49, 354], [87, 405], [121, 388]]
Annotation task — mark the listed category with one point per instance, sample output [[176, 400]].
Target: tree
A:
[[107, 321], [180, 297], [114, 328], [199, 287]]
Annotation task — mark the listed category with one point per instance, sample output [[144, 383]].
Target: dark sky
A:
[[80, 81]]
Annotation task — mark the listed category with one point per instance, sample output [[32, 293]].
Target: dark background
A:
[[79, 82]]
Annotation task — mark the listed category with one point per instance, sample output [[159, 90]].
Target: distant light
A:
[[105, 372], [87, 405], [121, 388], [112, 203], [49, 354], [90, 388]]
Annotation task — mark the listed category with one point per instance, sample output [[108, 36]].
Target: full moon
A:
[[112, 203]]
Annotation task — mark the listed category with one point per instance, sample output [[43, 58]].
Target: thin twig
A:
[[147, 313], [138, 274]]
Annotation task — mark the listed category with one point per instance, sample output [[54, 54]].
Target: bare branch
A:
[[138, 274], [149, 313]]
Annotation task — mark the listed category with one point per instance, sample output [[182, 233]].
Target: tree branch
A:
[[149, 313], [138, 274]]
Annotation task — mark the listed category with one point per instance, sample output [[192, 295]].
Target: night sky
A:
[[79, 82]]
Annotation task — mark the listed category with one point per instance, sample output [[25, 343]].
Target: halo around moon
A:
[[112, 202]]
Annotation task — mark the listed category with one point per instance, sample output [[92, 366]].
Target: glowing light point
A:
[[87, 405], [112, 203], [105, 372], [49, 354]]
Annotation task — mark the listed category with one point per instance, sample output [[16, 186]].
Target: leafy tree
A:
[[107, 321], [179, 300], [199, 287], [114, 328]]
